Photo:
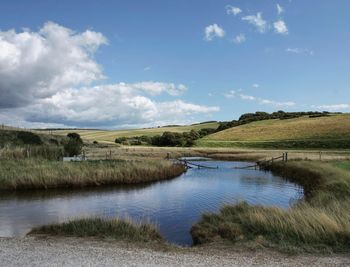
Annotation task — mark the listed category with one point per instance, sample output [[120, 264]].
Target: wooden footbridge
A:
[[259, 165], [190, 165]]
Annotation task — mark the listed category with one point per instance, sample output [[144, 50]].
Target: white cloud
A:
[[46, 77], [147, 68], [262, 101], [300, 51], [257, 21], [239, 39], [36, 65], [280, 27], [255, 85], [156, 88], [247, 97], [335, 107], [107, 106], [213, 31], [231, 10], [230, 94], [280, 9]]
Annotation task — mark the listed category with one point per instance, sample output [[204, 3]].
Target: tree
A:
[[74, 145]]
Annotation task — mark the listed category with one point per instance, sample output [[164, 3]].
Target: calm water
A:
[[173, 205]]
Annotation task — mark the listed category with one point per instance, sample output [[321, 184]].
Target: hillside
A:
[[106, 136], [321, 132]]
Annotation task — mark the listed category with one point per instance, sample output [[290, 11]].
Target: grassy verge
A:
[[320, 223], [102, 228], [44, 174]]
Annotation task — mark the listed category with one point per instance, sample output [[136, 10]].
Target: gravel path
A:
[[31, 251]]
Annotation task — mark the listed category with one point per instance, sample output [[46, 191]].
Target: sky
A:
[[127, 64]]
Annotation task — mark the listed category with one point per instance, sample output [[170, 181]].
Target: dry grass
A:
[[336, 126], [43, 174], [319, 223]]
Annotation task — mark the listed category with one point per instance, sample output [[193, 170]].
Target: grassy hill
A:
[[105, 136], [304, 132]]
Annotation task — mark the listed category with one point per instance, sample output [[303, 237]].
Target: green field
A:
[[322, 132], [105, 136]]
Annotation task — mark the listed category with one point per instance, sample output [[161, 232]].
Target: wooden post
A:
[[286, 156], [320, 155]]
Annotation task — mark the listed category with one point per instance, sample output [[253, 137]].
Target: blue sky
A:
[[160, 62]]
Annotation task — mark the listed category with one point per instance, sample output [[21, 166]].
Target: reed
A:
[[319, 223], [44, 174]]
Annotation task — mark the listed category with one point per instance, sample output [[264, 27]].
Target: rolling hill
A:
[[304, 132], [105, 136]]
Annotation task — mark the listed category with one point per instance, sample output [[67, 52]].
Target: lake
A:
[[173, 205]]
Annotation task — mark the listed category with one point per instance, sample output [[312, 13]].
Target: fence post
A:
[[286, 156]]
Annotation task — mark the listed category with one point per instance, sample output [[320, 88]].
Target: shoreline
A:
[[40, 251]]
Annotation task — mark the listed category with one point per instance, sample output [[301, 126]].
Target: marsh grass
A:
[[44, 174], [48, 152], [320, 223], [116, 229]]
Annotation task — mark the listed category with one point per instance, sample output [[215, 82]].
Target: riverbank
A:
[[33, 251], [44, 174], [320, 223]]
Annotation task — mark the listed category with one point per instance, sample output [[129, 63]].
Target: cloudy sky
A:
[[117, 64]]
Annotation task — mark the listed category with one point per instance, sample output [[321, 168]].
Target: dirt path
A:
[[82, 252]]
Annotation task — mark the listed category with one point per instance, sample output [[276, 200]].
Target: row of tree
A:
[[185, 139]]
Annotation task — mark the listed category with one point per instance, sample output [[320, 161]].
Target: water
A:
[[173, 205]]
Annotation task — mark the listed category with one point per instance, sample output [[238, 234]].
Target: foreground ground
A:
[[33, 251]]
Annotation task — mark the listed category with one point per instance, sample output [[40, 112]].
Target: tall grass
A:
[[42, 151], [43, 174], [320, 222], [102, 228]]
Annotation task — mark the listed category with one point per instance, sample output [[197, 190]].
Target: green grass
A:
[[102, 228], [44, 174], [110, 136], [331, 132], [319, 223]]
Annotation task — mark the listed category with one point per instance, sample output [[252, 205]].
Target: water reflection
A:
[[174, 205]]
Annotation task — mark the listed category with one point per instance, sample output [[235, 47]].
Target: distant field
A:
[[304, 132], [110, 136]]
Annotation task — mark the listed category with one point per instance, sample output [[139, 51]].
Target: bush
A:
[[74, 145], [29, 138]]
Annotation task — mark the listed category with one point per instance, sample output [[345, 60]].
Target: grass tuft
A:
[[102, 228]]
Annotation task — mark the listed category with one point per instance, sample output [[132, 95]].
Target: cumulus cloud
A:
[[239, 39], [231, 10], [35, 65], [49, 79], [108, 106], [257, 21], [280, 27], [213, 31], [280, 9]]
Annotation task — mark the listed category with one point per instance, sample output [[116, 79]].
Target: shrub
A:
[[74, 145], [29, 138]]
